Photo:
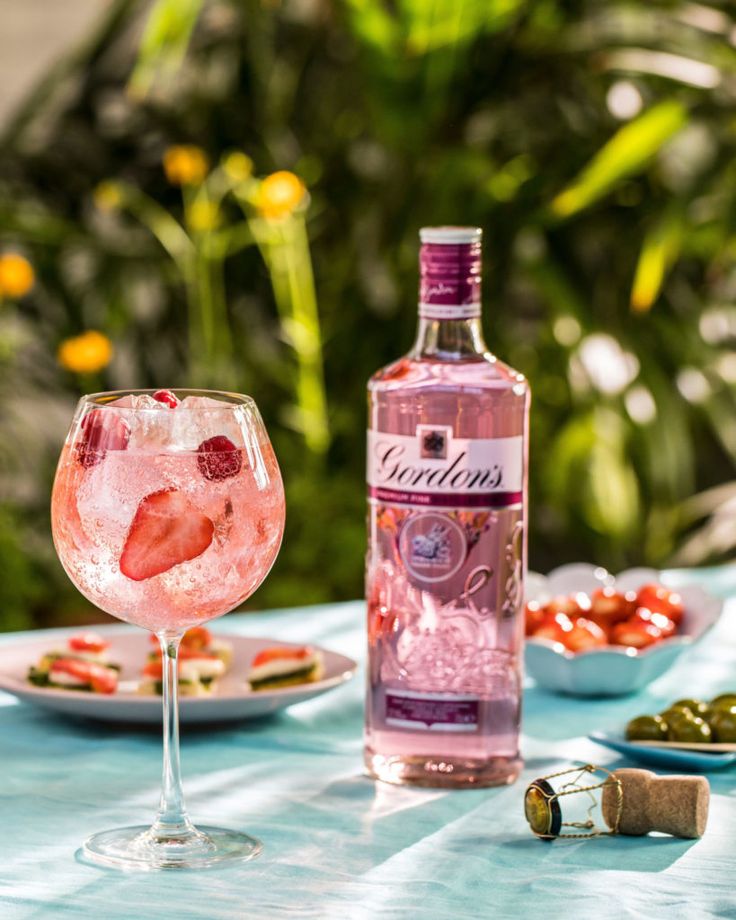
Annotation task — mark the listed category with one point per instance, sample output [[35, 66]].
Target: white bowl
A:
[[615, 670]]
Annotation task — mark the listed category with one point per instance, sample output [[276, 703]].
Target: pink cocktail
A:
[[167, 511]]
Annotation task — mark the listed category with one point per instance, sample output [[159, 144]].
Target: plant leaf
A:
[[164, 43], [658, 254], [627, 152]]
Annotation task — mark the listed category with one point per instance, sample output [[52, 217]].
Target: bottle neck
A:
[[449, 301], [451, 339]]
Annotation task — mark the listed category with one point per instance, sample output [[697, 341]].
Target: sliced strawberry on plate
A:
[[167, 398], [88, 642], [166, 531], [218, 458], [101, 430], [154, 669], [97, 676], [280, 653], [198, 637]]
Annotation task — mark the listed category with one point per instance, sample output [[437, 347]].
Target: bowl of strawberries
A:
[[590, 633]]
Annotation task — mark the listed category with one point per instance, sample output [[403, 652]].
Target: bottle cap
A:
[[452, 236]]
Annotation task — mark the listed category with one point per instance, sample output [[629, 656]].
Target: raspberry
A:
[[218, 458], [167, 398]]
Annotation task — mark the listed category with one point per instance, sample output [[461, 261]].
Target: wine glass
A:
[[168, 510]]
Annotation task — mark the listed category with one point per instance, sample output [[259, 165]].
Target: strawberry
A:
[[534, 615], [166, 531], [99, 678], [584, 635], [88, 642], [609, 607], [218, 458], [101, 430], [198, 637], [662, 622], [635, 633], [281, 652], [167, 398], [154, 669], [567, 605], [554, 627], [659, 599]]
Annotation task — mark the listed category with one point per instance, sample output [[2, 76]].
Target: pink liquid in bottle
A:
[[447, 474]]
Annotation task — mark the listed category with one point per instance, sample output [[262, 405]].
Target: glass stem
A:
[[172, 820]]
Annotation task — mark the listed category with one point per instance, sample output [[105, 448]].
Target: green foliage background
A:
[[609, 240]]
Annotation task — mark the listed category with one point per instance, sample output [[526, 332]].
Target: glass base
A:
[[140, 848], [444, 772]]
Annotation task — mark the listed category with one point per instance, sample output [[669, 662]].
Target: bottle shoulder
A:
[[482, 371]]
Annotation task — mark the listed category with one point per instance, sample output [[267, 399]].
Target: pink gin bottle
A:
[[447, 474]]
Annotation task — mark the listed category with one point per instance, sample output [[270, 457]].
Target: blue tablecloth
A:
[[336, 844]]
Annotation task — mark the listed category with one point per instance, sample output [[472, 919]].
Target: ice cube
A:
[[199, 418], [202, 402], [150, 423], [144, 401]]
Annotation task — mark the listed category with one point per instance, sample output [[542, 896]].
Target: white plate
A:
[[232, 700]]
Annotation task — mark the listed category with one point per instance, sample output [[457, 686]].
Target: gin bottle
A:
[[447, 473]]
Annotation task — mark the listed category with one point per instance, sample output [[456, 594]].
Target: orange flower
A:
[[86, 353], [185, 164], [16, 275], [280, 194]]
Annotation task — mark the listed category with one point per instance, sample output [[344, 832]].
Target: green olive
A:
[[725, 700], [677, 712], [647, 728], [723, 725], [690, 730], [696, 707]]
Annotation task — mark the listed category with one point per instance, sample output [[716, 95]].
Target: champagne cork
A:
[[676, 805]]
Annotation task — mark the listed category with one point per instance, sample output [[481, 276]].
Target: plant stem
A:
[[285, 249]]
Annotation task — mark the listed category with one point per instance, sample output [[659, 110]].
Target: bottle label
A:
[[448, 311], [447, 518], [433, 469], [444, 712], [449, 287]]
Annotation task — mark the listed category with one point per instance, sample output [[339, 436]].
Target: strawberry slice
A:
[[97, 676], [198, 637], [154, 669], [101, 430], [218, 458], [281, 653], [88, 642], [165, 532], [167, 398]]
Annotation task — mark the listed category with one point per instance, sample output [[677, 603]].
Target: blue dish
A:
[[615, 669], [669, 758]]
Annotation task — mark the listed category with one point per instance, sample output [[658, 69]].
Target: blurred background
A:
[[228, 192]]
